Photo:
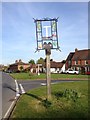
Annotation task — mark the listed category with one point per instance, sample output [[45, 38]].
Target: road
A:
[[8, 93], [0, 95], [30, 84]]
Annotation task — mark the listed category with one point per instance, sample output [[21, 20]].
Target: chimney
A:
[[76, 49], [51, 59], [20, 60], [16, 61]]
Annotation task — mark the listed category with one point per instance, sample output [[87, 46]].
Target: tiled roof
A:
[[56, 64], [20, 63], [70, 56], [81, 55]]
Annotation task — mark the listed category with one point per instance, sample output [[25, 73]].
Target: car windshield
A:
[[70, 70]]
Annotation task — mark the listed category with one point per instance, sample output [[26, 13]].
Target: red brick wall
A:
[[88, 62], [13, 68], [81, 62], [24, 66], [73, 62]]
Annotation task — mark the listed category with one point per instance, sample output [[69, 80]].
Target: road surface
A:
[[8, 93], [0, 95], [30, 84]]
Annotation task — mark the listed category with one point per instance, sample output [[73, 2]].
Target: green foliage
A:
[[21, 68], [58, 94], [69, 94], [32, 61], [41, 61], [46, 103], [82, 71]]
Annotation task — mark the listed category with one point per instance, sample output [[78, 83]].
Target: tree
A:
[[82, 70], [32, 61], [21, 68], [41, 61]]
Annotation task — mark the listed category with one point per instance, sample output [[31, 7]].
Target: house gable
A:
[[17, 65], [79, 59], [81, 55]]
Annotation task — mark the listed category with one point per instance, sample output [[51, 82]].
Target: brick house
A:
[[55, 67], [18, 66], [78, 60], [3, 67], [31, 68]]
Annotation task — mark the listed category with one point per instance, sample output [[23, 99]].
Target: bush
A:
[[69, 94], [82, 70]]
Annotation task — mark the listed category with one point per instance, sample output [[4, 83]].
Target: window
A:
[[86, 62], [76, 62], [69, 62]]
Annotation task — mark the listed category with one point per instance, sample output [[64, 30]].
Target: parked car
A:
[[71, 71]]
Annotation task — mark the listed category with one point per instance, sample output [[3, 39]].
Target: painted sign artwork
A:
[[46, 32]]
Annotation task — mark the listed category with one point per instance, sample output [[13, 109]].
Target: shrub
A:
[[69, 94]]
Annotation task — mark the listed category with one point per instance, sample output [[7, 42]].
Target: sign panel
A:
[[46, 32]]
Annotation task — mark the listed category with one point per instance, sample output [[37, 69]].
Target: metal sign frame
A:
[[40, 35]]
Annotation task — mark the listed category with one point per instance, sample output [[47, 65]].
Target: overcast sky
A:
[[18, 29]]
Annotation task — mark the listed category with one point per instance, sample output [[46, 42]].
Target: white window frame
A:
[[76, 62], [86, 62]]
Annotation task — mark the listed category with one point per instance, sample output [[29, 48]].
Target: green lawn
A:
[[69, 100], [43, 76]]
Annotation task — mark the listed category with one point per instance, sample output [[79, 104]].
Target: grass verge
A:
[[69, 100], [27, 76]]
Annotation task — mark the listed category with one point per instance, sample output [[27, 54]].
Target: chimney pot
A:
[[20, 60], [76, 49], [16, 61]]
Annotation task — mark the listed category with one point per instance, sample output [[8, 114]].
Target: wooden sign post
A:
[[47, 39]]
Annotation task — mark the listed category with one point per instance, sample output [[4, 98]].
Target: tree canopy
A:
[[41, 61], [32, 61]]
